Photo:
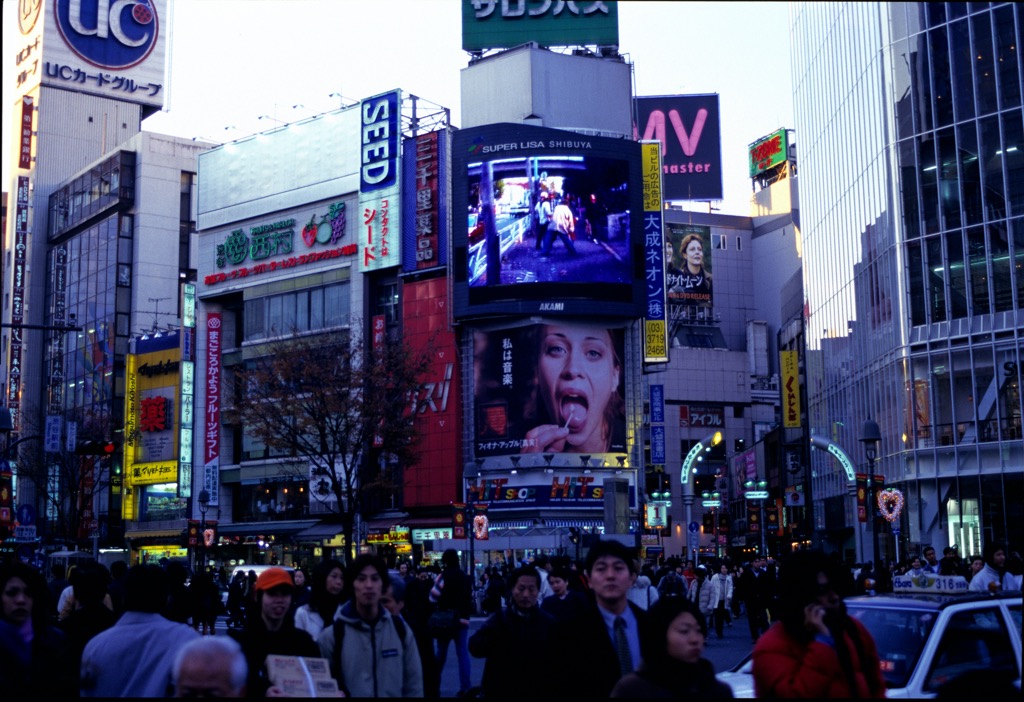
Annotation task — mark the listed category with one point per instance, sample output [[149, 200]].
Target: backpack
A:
[[339, 639]]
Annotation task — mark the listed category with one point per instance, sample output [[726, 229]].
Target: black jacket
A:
[[584, 645], [512, 641]]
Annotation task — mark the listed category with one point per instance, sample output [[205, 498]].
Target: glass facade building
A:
[[911, 139]]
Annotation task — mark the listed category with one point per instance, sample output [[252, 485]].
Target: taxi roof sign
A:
[[930, 583]]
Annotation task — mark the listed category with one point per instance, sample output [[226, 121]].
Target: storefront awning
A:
[[324, 530], [411, 522], [281, 528], [154, 533]]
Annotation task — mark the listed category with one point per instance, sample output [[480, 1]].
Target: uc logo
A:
[[113, 35]]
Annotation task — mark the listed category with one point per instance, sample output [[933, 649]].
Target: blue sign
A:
[[381, 127], [121, 39], [658, 445], [26, 515], [658, 406], [693, 527]]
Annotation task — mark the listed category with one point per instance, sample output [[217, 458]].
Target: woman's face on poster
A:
[[694, 254], [578, 375], [669, 252]]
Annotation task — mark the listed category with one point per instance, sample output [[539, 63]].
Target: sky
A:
[[235, 60]]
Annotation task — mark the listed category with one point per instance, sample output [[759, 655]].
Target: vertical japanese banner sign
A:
[[379, 331], [186, 410], [211, 428], [657, 424], [655, 321], [131, 442], [458, 520], [790, 389], [379, 223], [480, 523], [862, 498], [19, 273]]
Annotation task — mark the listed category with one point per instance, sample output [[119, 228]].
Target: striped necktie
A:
[[622, 646]]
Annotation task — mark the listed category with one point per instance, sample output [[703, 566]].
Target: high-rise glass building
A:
[[912, 168]]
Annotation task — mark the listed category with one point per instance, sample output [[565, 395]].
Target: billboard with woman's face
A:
[[549, 388], [688, 264], [545, 221]]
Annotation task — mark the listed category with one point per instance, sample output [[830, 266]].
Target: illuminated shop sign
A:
[[425, 197], [398, 535], [768, 152], [540, 489], [655, 322], [379, 223], [501, 25], [264, 241], [701, 416], [211, 430]]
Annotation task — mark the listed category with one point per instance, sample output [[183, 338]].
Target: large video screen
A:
[[546, 221], [547, 388]]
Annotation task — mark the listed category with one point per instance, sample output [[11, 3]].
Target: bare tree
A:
[[330, 403], [66, 485]]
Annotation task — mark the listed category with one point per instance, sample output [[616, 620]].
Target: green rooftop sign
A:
[[502, 24]]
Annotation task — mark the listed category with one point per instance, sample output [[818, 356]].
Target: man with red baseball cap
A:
[[273, 631]]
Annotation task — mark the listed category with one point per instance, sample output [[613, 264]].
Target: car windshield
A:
[[899, 635]]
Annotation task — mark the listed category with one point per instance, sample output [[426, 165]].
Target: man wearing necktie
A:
[[602, 643]]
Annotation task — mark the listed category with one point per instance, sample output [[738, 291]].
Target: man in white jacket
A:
[[993, 577], [721, 598]]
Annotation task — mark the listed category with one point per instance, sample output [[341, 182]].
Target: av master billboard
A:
[[691, 143], [546, 221], [556, 387]]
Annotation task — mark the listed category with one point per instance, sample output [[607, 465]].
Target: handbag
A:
[[442, 622]]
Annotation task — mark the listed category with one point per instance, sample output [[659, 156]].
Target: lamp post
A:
[[204, 505], [758, 490], [870, 436]]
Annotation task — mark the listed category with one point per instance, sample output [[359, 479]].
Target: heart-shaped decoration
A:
[[890, 503], [480, 527]]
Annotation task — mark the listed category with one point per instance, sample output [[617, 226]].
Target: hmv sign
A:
[[691, 143]]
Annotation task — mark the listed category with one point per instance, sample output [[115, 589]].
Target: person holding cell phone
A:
[[815, 649]]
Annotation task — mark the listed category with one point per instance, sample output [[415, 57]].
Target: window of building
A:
[[312, 309]]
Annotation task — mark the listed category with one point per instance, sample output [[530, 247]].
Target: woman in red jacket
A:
[[815, 650]]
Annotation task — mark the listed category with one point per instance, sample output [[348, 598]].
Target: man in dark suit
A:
[[756, 592], [603, 643]]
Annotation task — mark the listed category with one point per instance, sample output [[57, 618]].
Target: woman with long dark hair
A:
[[815, 649], [326, 596], [671, 648]]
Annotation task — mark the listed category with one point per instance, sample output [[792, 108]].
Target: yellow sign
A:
[[150, 423], [655, 338], [392, 537], [790, 389], [650, 171]]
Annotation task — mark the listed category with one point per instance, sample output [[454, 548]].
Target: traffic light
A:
[[96, 448]]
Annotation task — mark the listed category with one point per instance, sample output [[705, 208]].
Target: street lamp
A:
[[870, 436], [204, 505]]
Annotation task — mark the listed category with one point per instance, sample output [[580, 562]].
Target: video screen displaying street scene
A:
[[550, 219], [548, 216]]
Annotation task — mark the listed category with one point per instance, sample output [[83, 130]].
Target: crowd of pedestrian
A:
[[608, 626]]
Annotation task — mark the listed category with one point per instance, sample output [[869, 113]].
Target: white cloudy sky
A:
[[234, 60]]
